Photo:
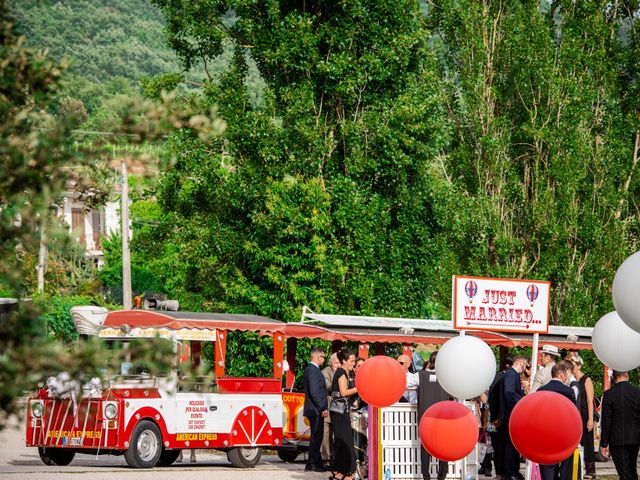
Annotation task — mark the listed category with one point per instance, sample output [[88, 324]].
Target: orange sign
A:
[[293, 404]]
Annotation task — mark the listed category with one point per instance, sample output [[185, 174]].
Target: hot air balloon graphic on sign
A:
[[471, 288], [532, 294]]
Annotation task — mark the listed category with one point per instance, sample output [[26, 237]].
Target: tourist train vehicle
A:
[[150, 419]]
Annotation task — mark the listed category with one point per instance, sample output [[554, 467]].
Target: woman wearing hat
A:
[[548, 356]]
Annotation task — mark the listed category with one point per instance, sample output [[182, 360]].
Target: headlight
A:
[[36, 409], [110, 411]]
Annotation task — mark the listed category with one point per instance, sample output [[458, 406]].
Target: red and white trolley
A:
[[150, 419]]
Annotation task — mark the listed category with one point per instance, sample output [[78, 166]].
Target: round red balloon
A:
[[381, 381], [448, 430], [545, 427]]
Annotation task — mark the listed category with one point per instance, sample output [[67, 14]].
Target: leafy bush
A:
[[57, 315], [143, 280]]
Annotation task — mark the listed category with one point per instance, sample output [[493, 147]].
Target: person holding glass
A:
[[344, 391]]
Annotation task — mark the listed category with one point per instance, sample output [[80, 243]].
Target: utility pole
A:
[[126, 255], [42, 256]]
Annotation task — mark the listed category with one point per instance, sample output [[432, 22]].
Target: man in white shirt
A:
[[411, 392], [548, 356], [327, 440]]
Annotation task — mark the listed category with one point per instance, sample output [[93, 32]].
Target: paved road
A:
[[19, 462]]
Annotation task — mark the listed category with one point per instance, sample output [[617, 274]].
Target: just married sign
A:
[[499, 304]]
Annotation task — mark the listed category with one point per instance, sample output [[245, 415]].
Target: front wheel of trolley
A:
[[56, 456], [244, 457], [145, 446]]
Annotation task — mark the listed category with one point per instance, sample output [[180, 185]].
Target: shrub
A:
[[57, 315]]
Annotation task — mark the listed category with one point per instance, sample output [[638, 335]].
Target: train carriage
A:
[[150, 419]]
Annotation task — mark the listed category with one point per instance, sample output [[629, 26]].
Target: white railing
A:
[[400, 448]]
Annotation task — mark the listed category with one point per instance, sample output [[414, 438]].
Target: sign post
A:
[[502, 305]]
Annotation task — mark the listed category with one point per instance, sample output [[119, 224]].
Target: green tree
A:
[[320, 195], [37, 156], [536, 183]]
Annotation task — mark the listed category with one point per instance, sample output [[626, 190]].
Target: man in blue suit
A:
[[315, 407], [512, 393], [560, 374]]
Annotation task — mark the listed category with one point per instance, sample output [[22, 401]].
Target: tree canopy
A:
[[320, 195], [37, 159], [399, 144], [111, 48], [394, 145]]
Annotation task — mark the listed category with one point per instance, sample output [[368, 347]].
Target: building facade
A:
[[89, 226]]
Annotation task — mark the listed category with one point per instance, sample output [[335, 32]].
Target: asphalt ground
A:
[[19, 462]]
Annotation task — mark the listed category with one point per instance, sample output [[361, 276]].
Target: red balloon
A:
[[448, 430], [381, 381], [545, 427]]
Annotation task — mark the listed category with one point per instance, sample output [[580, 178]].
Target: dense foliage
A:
[[38, 158], [321, 195], [102, 40], [32, 152], [111, 47], [398, 146], [540, 178]]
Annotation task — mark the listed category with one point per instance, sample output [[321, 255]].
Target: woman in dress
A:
[[586, 405], [344, 463], [359, 423]]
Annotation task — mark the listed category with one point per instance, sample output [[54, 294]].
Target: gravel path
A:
[[19, 462]]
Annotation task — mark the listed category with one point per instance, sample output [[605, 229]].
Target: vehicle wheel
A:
[[244, 457], [56, 456], [288, 455], [145, 445], [167, 457]]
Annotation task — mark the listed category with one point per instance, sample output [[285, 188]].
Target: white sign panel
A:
[[502, 305], [151, 332]]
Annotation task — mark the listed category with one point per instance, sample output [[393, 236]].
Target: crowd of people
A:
[[620, 425], [338, 442], [331, 400], [511, 384]]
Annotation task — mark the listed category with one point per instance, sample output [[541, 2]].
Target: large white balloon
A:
[[465, 367], [615, 344], [626, 291]]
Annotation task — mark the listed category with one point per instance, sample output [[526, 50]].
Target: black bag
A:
[[339, 405]]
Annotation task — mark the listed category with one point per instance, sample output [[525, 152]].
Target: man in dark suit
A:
[[560, 374], [430, 392], [497, 434], [512, 393], [620, 433], [315, 407]]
